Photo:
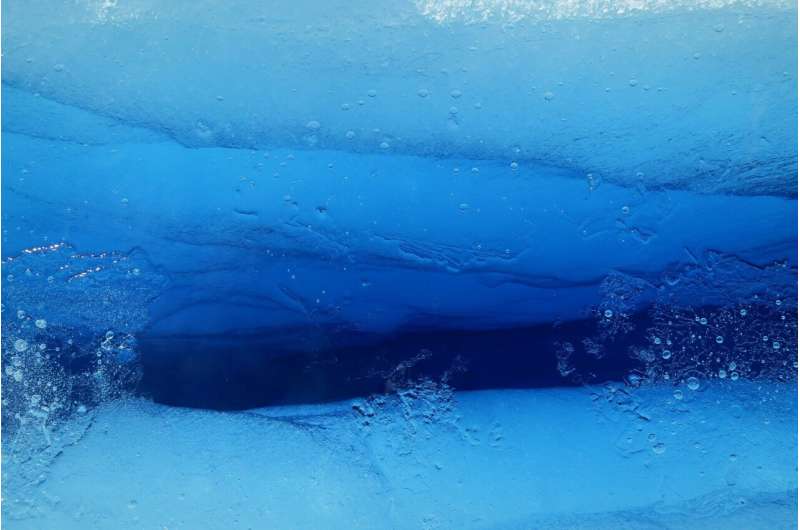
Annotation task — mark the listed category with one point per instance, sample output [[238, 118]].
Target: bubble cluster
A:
[[621, 294], [422, 400], [60, 354], [564, 352], [752, 336]]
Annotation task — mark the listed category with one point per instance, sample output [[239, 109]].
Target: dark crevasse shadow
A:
[[655, 344], [230, 372]]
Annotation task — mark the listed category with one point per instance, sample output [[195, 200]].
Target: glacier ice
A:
[[226, 205]]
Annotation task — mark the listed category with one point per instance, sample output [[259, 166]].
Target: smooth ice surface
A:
[[486, 460]]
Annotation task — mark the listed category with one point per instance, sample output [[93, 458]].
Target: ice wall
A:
[[323, 166]]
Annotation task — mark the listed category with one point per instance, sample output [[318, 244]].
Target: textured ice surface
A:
[[667, 91], [493, 460]]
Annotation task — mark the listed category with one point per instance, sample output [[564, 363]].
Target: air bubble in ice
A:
[[41, 323], [608, 313], [659, 448], [312, 125], [423, 93], [677, 394], [776, 345], [548, 96], [719, 339], [455, 94], [743, 312], [722, 374], [693, 383], [20, 345], [666, 354]]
